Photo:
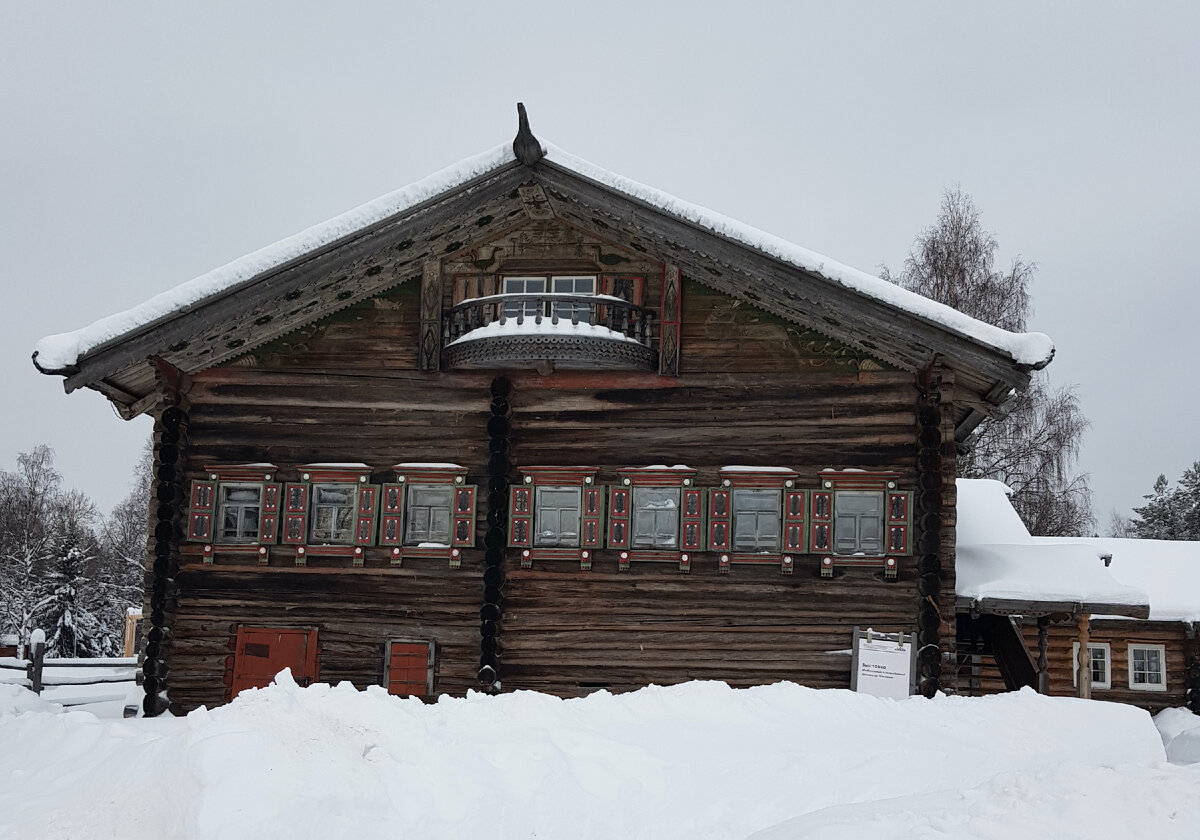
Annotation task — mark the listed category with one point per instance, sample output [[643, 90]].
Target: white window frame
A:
[[1161, 650], [550, 285], [1092, 647]]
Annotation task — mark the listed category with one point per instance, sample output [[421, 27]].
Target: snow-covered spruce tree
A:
[[1171, 513], [1034, 448], [72, 629]]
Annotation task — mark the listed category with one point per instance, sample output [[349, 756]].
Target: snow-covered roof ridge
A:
[[60, 353], [1033, 349]]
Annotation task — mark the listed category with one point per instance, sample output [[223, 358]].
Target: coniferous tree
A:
[[1034, 447], [1171, 513]]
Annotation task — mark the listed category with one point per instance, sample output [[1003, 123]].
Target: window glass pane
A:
[[858, 522], [241, 494], [574, 285], [334, 494], [523, 285], [656, 517], [756, 520], [429, 514], [557, 511]]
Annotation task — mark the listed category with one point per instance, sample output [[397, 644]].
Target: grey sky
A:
[[144, 145]]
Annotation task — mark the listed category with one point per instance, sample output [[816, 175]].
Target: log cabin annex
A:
[[527, 424]]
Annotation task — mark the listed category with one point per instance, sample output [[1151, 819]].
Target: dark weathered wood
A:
[[777, 287]]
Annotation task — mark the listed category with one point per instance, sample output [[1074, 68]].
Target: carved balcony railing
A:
[[540, 330]]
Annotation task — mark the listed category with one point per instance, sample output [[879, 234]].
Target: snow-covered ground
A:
[[694, 761]]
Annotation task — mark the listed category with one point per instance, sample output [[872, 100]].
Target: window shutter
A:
[[719, 520], [691, 525], [592, 519], [618, 517], [463, 534], [391, 531], [520, 522], [368, 505], [822, 521], [295, 513], [899, 519], [269, 521], [200, 516], [793, 520]]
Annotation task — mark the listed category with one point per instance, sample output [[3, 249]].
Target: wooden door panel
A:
[[262, 652], [408, 668]]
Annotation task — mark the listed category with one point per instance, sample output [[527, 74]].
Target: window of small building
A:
[[557, 513], [858, 522], [1100, 664], [333, 513], [756, 519], [1147, 667]]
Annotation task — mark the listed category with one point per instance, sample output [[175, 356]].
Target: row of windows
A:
[[852, 514], [1147, 666]]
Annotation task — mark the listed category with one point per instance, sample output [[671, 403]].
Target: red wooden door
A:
[[408, 668], [262, 652]]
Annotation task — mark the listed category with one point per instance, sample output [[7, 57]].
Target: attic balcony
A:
[[549, 330]]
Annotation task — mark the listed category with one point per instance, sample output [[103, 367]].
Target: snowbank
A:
[[1180, 731], [693, 761]]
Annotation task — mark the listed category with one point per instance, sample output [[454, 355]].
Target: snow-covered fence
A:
[[64, 675]]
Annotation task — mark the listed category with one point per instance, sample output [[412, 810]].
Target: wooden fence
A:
[[41, 673]]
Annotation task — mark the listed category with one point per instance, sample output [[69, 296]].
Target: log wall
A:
[[1118, 635], [752, 390]]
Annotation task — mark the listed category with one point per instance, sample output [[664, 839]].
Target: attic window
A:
[[568, 284]]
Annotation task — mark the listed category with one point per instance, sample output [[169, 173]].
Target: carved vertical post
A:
[[669, 317], [429, 353], [1083, 663], [1043, 662]]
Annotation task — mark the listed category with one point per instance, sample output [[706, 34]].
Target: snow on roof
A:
[[63, 350], [997, 559], [56, 352], [1024, 348], [1168, 570]]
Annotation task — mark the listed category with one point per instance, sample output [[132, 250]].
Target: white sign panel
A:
[[883, 667]]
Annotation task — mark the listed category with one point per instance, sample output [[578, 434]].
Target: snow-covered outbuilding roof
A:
[[1000, 568], [263, 295], [1167, 570]]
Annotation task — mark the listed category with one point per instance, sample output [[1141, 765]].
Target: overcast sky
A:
[[144, 145]]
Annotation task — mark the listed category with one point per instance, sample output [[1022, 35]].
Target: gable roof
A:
[[259, 297], [1000, 568]]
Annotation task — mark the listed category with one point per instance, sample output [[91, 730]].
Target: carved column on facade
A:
[[1083, 662], [429, 351], [669, 319]]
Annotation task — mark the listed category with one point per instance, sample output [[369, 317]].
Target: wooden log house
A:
[[528, 425]]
